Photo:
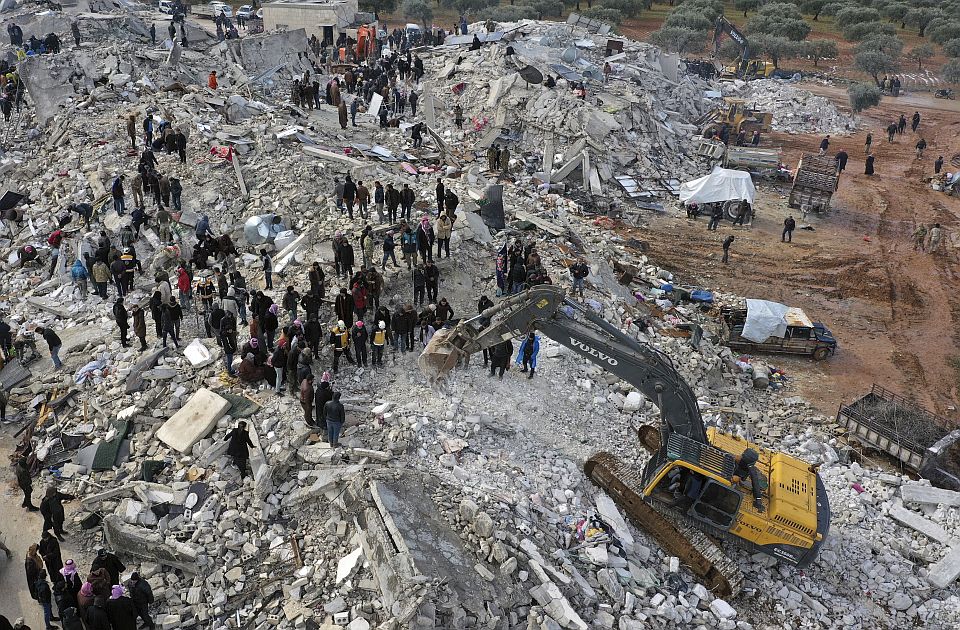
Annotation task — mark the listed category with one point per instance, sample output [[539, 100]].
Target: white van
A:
[[165, 6]]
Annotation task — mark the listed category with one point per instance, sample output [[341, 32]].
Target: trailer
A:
[[921, 442], [754, 160], [814, 182]]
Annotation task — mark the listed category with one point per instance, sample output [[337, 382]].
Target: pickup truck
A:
[[919, 440], [211, 10], [802, 336]]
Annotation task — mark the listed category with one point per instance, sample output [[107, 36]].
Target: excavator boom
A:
[[545, 308]]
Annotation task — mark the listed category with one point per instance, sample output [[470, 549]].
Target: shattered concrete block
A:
[[349, 564], [722, 609], [193, 421], [943, 573]]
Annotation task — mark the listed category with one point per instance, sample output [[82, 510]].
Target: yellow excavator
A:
[[745, 66], [693, 491]]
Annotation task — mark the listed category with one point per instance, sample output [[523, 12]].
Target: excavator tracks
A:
[[694, 548]]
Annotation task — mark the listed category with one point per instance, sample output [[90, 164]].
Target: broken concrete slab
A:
[[918, 493], [327, 480], [923, 525], [137, 542], [193, 421], [47, 81]]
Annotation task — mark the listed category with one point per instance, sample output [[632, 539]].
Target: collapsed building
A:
[[454, 508]]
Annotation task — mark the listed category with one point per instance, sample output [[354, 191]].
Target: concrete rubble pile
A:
[[455, 508], [795, 110], [638, 126]]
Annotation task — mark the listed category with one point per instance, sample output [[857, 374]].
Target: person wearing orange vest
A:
[[340, 338], [380, 338]]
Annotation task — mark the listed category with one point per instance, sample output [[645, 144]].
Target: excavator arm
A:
[[545, 308], [726, 26]]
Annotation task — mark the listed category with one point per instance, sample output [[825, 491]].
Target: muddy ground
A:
[[893, 310]]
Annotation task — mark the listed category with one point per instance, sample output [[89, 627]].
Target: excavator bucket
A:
[[439, 357]]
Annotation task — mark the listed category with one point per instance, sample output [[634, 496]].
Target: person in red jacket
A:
[[359, 299], [183, 284]]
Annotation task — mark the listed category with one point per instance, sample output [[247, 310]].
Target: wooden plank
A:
[[239, 173], [330, 155]]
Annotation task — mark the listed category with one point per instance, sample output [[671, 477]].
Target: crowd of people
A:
[[99, 601]]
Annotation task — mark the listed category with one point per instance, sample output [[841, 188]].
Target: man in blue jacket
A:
[[527, 356]]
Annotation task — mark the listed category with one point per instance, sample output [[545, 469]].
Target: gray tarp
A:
[[764, 319]]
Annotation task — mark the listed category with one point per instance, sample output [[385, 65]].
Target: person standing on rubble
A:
[[121, 317], [53, 343], [306, 399], [132, 130], [239, 447], [527, 355], [338, 187], [212, 82], [267, 269], [579, 272], [349, 195], [379, 196], [407, 199], [363, 200], [342, 113], [118, 195], [140, 326], [335, 416], [75, 31], [727, 242], [458, 116], [393, 202]]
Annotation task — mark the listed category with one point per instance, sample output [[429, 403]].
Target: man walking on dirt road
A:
[[919, 237], [935, 235], [891, 130], [789, 225], [915, 122], [726, 249]]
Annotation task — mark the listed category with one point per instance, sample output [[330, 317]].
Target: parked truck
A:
[[801, 335], [814, 182], [923, 443], [211, 10]]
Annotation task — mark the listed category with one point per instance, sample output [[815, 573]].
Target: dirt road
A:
[[893, 310]]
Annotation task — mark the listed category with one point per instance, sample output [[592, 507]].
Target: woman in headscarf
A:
[[239, 447], [85, 597], [100, 580], [31, 568]]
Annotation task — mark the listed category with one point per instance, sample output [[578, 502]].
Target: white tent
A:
[[722, 184]]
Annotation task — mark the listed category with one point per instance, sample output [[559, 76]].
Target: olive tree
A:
[[875, 63], [863, 96], [921, 53]]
